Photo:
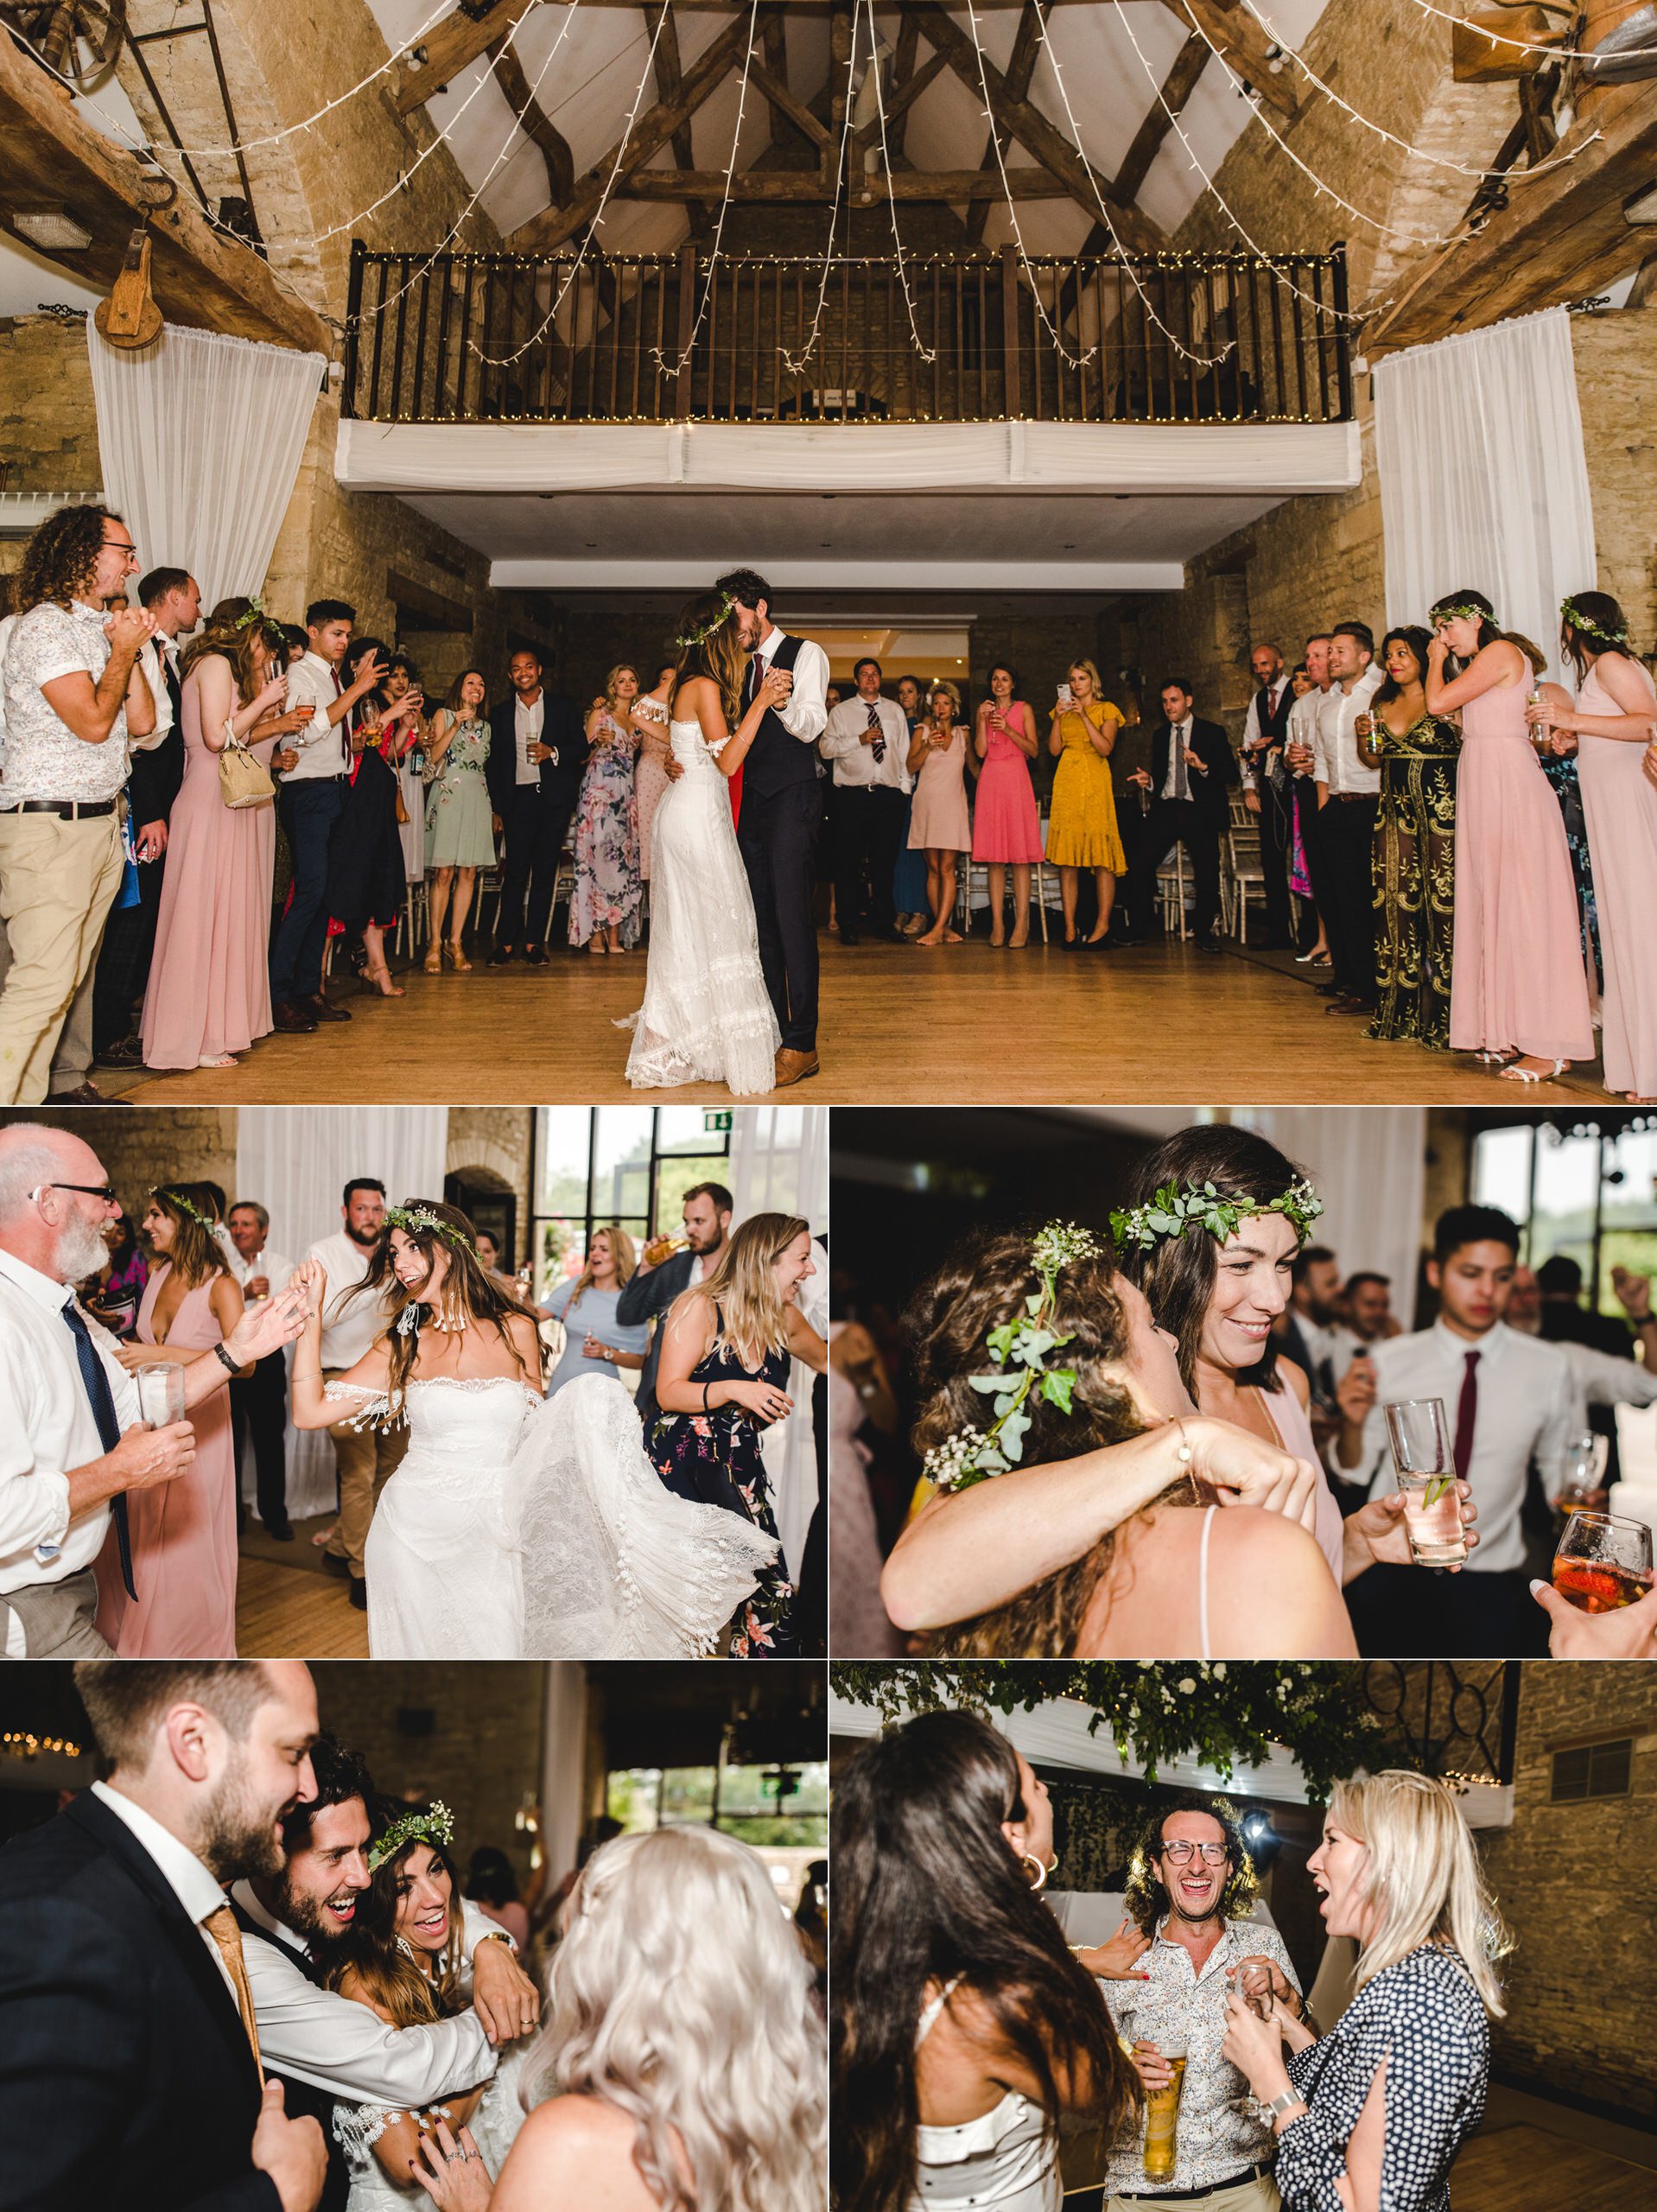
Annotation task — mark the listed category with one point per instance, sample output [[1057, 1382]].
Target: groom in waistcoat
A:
[[1266, 733], [782, 817]]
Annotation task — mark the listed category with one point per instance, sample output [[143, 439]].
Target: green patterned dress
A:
[[1415, 880]]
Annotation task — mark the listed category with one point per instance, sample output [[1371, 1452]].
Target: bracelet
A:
[[230, 1365], [1280, 2103], [1185, 1454], [706, 1387], [315, 1375]]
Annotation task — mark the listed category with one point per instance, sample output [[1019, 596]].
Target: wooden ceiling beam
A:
[[782, 102], [944, 187], [669, 82], [1244, 45], [839, 57], [903, 72], [1020, 68], [450, 47], [535, 123], [1177, 87], [773, 38], [903, 98]]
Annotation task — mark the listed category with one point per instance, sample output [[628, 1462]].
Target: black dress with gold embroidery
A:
[[1415, 880]]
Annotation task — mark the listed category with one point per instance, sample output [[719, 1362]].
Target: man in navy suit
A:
[[130, 2066], [649, 1291], [1192, 769], [537, 751]]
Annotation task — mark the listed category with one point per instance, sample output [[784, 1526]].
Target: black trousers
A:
[[1346, 839], [309, 811], [536, 829], [1176, 822], [868, 828], [1276, 843], [1412, 1613], [259, 1405], [778, 838], [123, 969]]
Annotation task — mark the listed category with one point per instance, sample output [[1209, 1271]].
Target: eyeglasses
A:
[[105, 1191], [1214, 1854], [120, 545]]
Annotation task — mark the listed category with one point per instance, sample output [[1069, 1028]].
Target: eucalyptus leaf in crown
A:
[[1585, 627], [697, 637], [1173, 1211], [434, 1825], [409, 1219]]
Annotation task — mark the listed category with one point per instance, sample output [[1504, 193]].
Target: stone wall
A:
[[497, 1139], [195, 1144], [48, 435], [1615, 356]]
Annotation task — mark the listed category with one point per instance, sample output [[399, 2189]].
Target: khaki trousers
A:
[[1259, 2194], [365, 1459], [59, 1618], [58, 882]]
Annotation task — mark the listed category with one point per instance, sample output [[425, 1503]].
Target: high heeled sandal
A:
[[1516, 1074], [432, 963], [457, 960]]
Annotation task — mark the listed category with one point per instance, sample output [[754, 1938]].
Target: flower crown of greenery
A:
[[409, 1219], [697, 637], [1019, 1350], [1174, 1210], [177, 1198], [255, 614], [434, 1825], [1461, 610], [1585, 627]]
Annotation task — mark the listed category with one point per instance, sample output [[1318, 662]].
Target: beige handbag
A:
[[243, 781]]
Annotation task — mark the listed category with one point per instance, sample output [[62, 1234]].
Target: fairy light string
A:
[[794, 363], [927, 353], [656, 353]]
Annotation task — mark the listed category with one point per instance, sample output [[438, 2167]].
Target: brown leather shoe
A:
[[292, 1021], [794, 1067], [86, 1094], [323, 1009]]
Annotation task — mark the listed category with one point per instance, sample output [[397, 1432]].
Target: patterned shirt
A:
[[44, 759], [1220, 2134]]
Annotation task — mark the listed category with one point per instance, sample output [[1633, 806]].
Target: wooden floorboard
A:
[[285, 1612], [1167, 1025], [1526, 2169]]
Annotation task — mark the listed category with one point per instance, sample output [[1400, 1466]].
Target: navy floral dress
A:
[[715, 1459]]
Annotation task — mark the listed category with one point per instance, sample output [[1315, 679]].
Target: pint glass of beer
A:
[[1162, 2111]]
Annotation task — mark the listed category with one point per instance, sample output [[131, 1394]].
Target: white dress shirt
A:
[[270, 1263], [44, 759], [855, 766], [1528, 1407], [527, 723], [1302, 720], [804, 712], [1600, 1378], [1254, 763], [194, 1885], [1334, 745], [340, 2046], [150, 661], [349, 1331], [312, 682], [47, 1427]]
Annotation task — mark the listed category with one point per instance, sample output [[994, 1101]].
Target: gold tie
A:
[[221, 1926]]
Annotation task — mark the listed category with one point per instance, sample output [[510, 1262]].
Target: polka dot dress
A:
[[1424, 2019]]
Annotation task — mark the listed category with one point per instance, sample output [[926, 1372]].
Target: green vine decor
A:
[[1227, 1713]]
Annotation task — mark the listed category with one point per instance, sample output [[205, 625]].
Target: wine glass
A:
[[1604, 1562]]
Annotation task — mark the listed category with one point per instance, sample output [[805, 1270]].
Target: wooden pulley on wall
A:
[[129, 319]]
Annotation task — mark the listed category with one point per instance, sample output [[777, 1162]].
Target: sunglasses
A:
[[105, 1191]]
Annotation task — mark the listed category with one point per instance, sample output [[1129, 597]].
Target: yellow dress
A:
[[1081, 829]]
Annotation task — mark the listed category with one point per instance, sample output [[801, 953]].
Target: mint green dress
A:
[[459, 831]]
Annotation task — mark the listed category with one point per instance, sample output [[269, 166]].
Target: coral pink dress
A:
[[183, 1532], [1006, 825], [938, 818], [1517, 979], [1621, 808], [210, 975]]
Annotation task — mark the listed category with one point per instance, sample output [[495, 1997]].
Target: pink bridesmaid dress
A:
[[210, 974], [1517, 979], [183, 1532], [1006, 826], [1620, 809]]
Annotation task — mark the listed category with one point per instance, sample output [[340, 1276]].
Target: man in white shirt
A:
[[74, 694], [538, 755], [1346, 821], [866, 739], [1267, 786], [1509, 1403], [1300, 754], [131, 2070], [312, 800], [365, 1456], [72, 1442], [258, 1403]]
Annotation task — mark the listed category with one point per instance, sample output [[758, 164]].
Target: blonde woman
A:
[[604, 905], [596, 1343], [939, 824], [1081, 829], [1373, 2113], [707, 1015], [726, 1349]]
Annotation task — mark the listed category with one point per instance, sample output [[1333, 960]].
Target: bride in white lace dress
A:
[[707, 1017], [516, 1527]]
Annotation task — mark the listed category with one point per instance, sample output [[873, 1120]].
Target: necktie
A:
[[1467, 1413], [1182, 775], [221, 1926], [96, 1383]]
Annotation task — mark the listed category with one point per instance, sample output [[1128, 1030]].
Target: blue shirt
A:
[[593, 1314]]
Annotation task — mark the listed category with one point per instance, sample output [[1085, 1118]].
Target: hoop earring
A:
[[1038, 1881]]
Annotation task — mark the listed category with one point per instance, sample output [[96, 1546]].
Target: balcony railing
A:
[[1164, 338]]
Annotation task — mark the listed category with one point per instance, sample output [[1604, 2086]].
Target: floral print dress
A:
[[608, 882], [715, 1457]]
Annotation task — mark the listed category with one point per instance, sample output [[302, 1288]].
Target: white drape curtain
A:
[[294, 1161], [1483, 481], [200, 438], [1370, 1169]]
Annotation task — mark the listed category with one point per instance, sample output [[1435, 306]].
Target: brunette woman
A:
[[1007, 824], [605, 903], [1414, 867], [367, 879], [460, 839], [939, 824]]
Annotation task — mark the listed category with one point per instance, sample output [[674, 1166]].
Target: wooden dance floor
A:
[[1164, 1025], [283, 1610]]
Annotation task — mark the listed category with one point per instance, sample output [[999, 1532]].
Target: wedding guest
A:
[[1413, 867], [71, 1443], [1347, 795], [492, 1885], [123, 1985], [400, 682], [258, 1403], [735, 1334], [311, 803], [1007, 825], [1614, 717], [489, 1259], [1519, 985], [118, 1285], [459, 839], [74, 695], [967, 2038], [1192, 769], [209, 992], [365, 1457], [1509, 1402], [650, 770], [939, 824], [1266, 733], [604, 905], [1312, 680], [367, 874], [1385, 2100], [596, 1343], [295, 642], [1560, 769], [908, 883], [723, 2103], [537, 754], [1081, 829], [832, 695], [655, 1284], [867, 739]]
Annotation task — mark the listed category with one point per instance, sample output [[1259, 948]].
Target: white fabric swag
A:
[[1369, 1167], [200, 437], [1483, 481], [295, 1162]]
